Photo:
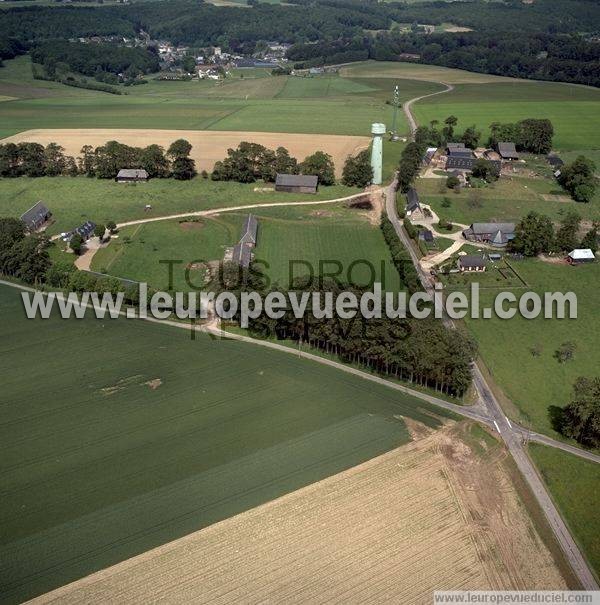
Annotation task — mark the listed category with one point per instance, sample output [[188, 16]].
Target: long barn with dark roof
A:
[[36, 217]]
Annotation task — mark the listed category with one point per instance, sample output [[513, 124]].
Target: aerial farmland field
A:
[[371, 532], [159, 436], [325, 233]]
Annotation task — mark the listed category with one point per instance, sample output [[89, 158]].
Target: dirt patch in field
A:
[[321, 213], [553, 260], [121, 385], [191, 225], [154, 384], [208, 146], [431, 515], [549, 197]]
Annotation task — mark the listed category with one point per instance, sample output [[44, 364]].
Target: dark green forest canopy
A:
[[548, 39], [193, 22]]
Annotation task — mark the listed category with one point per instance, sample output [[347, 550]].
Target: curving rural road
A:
[[513, 435], [407, 107], [487, 410]]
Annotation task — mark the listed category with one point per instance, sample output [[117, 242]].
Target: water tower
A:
[[378, 132]]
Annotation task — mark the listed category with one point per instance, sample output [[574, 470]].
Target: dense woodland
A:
[[548, 39]]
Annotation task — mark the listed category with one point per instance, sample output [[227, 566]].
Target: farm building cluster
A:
[[458, 160], [242, 253]]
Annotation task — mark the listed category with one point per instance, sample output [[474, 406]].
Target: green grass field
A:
[[534, 383], [573, 110], [325, 234], [75, 200], [97, 466], [574, 484], [506, 200], [250, 100]]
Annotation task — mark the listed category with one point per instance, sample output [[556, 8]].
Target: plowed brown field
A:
[[433, 514], [208, 146]]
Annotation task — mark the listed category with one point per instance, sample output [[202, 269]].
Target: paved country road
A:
[[512, 435]]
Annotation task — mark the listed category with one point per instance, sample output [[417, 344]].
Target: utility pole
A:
[[396, 104]]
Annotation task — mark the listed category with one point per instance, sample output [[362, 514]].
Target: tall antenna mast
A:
[[396, 103]]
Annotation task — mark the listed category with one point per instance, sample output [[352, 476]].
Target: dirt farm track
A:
[[209, 146], [433, 514]]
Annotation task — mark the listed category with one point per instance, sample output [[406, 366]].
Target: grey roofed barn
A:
[[472, 261], [451, 146], [36, 216], [242, 255], [508, 151], [249, 230], [466, 164], [460, 153], [297, 183], [412, 200], [132, 174], [486, 228]]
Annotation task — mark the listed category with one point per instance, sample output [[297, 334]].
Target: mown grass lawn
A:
[[574, 484], [573, 110], [535, 383], [292, 241], [74, 200], [508, 199], [126, 435]]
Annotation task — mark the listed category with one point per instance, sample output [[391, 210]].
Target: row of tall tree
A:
[[251, 161], [536, 234], [533, 135], [579, 179], [34, 160], [580, 419]]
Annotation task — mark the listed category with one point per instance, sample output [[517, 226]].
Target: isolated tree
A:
[[87, 161], [590, 239], [578, 178], [54, 160], [470, 137], [536, 135], [484, 169], [565, 352], [99, 231], [183, 169], [111, 226], [179, 149], [320, 164], [358, 171], [534, 234], [567, 233], [154, 161], [452, 182], [448, 130], [581, 417], [76, 243]]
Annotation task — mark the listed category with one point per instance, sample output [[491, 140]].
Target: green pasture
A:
[[74, 200], [508, 199], [574, 484], [291, 242], [573, 110], [536, 383], [157, 435], [249, 100]]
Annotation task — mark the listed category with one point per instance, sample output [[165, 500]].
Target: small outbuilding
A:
[[508, 151], [297, 183], [471, 263], [249, 231], [426, 236], [36, 217], [242, 255], [413, 205], [132, 175], [581, 255]]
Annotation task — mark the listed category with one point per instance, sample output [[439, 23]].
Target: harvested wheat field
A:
[[208, 146], [438, 513]]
